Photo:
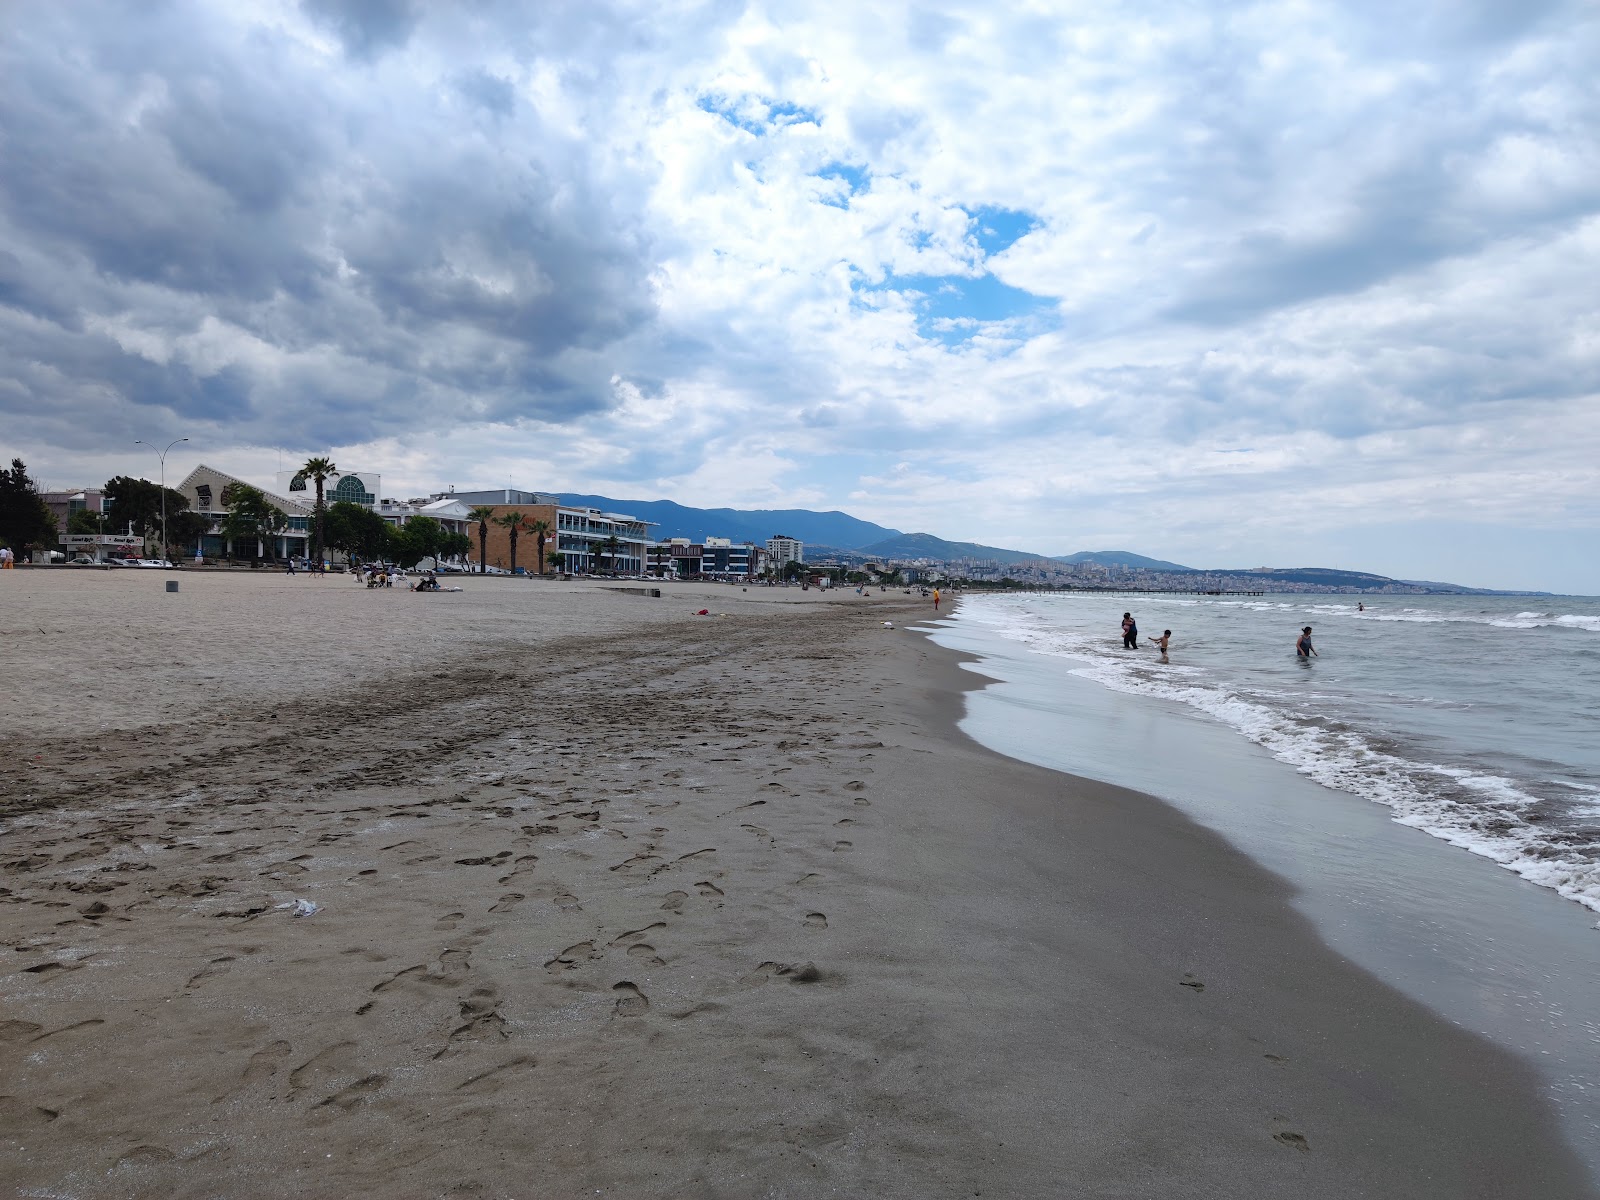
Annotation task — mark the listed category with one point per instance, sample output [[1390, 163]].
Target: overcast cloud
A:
[[1286, 282]]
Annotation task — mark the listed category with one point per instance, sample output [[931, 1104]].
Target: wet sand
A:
[[619, 900]]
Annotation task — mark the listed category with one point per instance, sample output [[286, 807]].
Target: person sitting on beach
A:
[[1166, 636], [1130, 632], [1302, 645]]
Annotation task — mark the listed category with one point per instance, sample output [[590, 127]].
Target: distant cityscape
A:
[[214, 517]]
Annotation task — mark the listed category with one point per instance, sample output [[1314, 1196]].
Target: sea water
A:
[[1469, 719], [1474, 719]]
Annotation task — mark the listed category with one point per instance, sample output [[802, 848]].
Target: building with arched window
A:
[[357, 487]]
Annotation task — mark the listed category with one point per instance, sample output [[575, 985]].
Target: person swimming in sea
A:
[[1130, 632], [1303, 647]]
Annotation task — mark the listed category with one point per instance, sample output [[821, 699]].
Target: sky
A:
[[1231, 284]]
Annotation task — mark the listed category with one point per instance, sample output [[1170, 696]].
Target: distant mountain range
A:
[[743, 524], [835, 533]]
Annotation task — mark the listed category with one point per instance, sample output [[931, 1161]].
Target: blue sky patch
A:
[[952, 308], [995, 229], [757, 115], [855, 180]]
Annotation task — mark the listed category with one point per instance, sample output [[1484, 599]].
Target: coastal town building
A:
[[713, 558], [62, 504], [209, 492], [783, 550], [588, 539]]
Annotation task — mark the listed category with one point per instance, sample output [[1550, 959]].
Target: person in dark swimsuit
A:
[[1302, 645], [1130, 632]]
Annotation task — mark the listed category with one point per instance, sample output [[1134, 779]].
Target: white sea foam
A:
[[1479, 811]]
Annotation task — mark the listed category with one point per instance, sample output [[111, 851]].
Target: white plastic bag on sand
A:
[[302, 908], [888, 624]]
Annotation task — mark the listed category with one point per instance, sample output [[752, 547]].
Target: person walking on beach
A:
[[1303, 647], [935, 599], [1166, 636], [7, 559], [1130, 632]]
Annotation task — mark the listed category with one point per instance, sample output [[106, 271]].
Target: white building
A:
[[782, 551], [207, 489], [358, 487]]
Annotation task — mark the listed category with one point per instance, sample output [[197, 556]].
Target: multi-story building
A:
[[714, 558], [62, 504], [208, 491], [783, 550], [587, 538]]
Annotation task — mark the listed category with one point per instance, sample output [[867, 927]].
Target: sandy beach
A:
[[617, 899]]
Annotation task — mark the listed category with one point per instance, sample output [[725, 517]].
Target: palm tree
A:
[[608, 549], [483, 514], [539, 529], [319, 471], [512, 524]]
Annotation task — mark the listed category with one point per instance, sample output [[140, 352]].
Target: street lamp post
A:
[[162, 455]]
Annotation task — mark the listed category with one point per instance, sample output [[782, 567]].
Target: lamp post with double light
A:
[[162, 455]]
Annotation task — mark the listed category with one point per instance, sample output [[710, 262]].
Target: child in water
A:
[[1166, 636]]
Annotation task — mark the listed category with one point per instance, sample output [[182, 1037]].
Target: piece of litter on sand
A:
[[302, 908], [888, 624]]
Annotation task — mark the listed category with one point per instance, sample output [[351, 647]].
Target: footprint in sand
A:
[[507, 902], [631, 1002], [496, 1077], [844, 821], [217, 966], [794, 972], [674, 901], [709, 890], [323, 1066], [646, 954], [557, 895], [144, 1155], [855, 785], [840, 846], [1189, 981], [1295, 1141], [863, 802], [633, 935], [816, 921], [348, 1097], [264, 1063], [573, 957]]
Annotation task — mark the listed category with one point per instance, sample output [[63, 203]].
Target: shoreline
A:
[[649, 905]]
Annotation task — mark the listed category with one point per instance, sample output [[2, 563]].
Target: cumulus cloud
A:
[[969, 269]]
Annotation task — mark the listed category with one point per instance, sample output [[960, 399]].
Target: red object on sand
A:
[[704, 612]]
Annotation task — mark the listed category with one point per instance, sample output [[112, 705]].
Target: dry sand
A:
[[617, 900]]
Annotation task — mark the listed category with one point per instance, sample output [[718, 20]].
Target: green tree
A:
[[608, 549], [793, 570], [319, 471], [186, 528], [512, 523], [357, 531], [482, 514], [251, 517], [26, 521], [558, 559], [417, 539], [455, 545], [540, 531], [84, 521], [135, 504]]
